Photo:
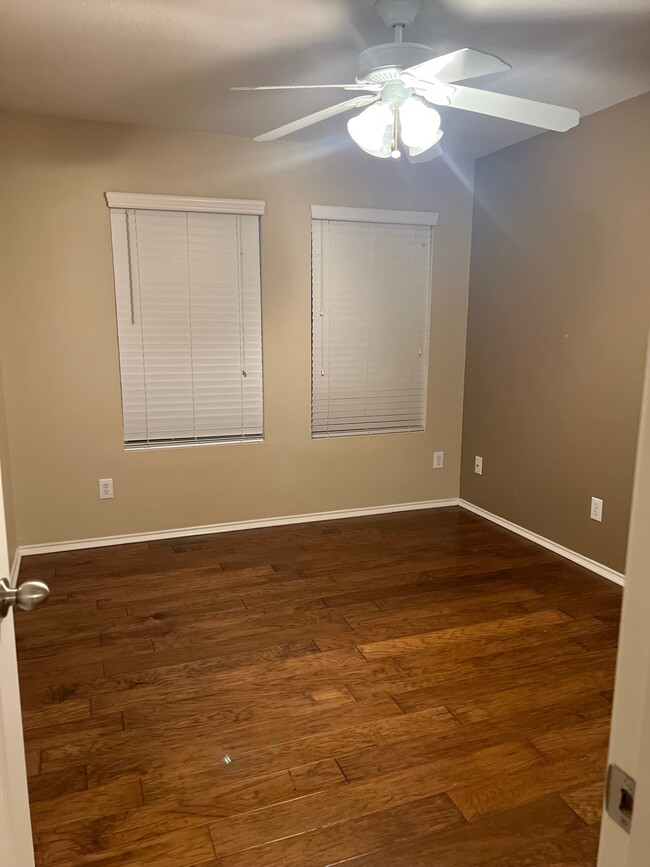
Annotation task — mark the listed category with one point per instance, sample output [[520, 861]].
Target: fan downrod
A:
[[384, 62]]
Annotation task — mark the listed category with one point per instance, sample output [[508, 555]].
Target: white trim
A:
[[103, 541], [374, 215], [580, 559], [185, 203], [15, 568]]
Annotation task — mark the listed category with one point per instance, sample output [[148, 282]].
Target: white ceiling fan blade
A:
[[317, 116], [527, 111], [456, 66], [374, 88]]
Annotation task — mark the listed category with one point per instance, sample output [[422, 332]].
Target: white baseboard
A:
[[580, 559], [102, 541], [15, 567]]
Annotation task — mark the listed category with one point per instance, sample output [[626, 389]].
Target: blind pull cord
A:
[[130, 215], [241, 271]]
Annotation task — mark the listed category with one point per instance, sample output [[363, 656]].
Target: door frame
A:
[[629, 746], [16, 842]]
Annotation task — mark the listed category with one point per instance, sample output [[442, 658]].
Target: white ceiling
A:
[[170, 63]]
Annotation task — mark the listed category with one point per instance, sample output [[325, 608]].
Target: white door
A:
[[16, 847], [629, 746]]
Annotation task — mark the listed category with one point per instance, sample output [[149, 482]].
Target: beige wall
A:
[[59, 346], [5, 479], [557, 327]]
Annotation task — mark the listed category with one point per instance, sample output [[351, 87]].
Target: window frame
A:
[[377, 216], [187, 204]]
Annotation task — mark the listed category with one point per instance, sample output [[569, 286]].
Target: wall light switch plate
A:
[[438, 460], [478, 465], [596, 509], [106, 489]]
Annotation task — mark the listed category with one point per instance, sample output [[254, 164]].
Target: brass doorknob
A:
[[29, 595]]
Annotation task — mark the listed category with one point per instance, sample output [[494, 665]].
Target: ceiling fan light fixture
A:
[[371, 129], [419, 125]]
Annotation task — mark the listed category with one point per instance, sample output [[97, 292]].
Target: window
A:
[[187, 284], [371, 297]]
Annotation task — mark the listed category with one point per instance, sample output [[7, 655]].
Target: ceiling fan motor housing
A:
[[398, 13], [385, 62]]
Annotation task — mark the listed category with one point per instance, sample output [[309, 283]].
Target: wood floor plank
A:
[[46, 786], [87, 805], [358, 836], [191, 846], [197, 791], [500, 793], [485, 633], [392, 790], [33, 759], [125, 829], [299, 672], [74, 710], [376, 760], [578, 848], [470, 844], [535, 695], [75, 740], [243, 763], [587, 801], [399, 689], [586, 738], [196, 794], [128, 752], [441, 676]]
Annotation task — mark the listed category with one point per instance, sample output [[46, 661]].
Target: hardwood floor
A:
[[423, 688]]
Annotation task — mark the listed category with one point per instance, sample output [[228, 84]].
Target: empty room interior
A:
[[323, 334]]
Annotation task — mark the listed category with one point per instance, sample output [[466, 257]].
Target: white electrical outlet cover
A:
[[106, 489], [438, 460], [478, 465], [596, 513]]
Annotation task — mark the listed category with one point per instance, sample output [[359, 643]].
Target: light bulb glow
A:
[[375, 129], [371, 129], [419, 125]]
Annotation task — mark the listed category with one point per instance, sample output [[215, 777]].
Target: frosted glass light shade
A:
[[419, 125], [371, 129], [414, 152]]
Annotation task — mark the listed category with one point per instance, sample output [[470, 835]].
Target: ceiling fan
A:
[[398, 82]]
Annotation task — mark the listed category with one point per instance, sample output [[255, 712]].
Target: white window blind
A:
[[189, 325], [371, 296]]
